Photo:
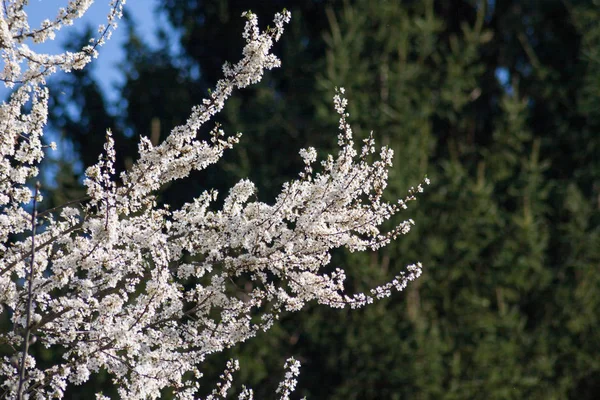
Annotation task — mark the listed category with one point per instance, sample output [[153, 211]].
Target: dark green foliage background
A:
[[509, 232]]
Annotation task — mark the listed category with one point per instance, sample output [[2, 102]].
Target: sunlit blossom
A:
[[108, 272]]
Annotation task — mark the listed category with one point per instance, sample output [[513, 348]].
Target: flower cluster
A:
[[144, 292]]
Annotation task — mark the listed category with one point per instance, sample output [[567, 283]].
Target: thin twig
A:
[[20, 392], [68, 203]]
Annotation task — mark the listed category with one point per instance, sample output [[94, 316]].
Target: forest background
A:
[[498, 102]]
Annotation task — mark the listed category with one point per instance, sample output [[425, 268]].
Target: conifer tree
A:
[[497, 103]]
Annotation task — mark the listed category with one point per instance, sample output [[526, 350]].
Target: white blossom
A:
[[287, 386], [106, 274]]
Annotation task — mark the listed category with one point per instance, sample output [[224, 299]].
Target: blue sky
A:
[[110, 55], [142, 12]]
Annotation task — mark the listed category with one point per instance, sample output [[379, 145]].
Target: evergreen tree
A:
[[488, 318], [497, 103]]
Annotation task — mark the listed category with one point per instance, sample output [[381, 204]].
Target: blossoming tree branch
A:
[[120, 283]]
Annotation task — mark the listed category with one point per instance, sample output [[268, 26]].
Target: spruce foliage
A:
[[497, 102]]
